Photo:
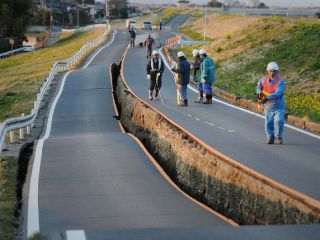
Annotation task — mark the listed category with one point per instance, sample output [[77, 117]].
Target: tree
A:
[[262, 5], [118, 8], [215, 4], [255, 3], [14, 17]]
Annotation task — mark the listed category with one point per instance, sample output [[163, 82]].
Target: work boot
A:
[[184, 103], [270, 141], [208, 99], [279, 141], [150, 95], [156, 97], [200, 98]]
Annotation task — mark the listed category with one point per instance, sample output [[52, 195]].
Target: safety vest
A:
[[159, 65], [269, 88]]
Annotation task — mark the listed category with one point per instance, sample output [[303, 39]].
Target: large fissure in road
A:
[[221, 184]]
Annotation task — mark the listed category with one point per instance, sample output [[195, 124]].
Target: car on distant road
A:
[[147, 26], [133, 24], [29, 48]]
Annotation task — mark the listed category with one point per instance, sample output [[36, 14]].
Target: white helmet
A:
[[155, 52], [195, 52], [180, 54], [272, 66], [202, 51]]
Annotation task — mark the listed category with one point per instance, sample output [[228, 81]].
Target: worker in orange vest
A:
[[270, 90]]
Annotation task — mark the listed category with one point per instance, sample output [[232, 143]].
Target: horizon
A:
[[269, 3]]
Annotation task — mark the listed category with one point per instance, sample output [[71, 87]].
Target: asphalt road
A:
[[235, 133], [176, 21], [94, 178]]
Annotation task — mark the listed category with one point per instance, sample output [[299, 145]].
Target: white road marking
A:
[[101, 48], [33, 209], [33, 224], [242, 109], [75, 235]]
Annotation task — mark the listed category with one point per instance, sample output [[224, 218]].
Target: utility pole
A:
[[205, 22], [78, 14], [107, 13], [50, 23]]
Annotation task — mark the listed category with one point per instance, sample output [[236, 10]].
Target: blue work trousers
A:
[[183, 92], [274, 123]]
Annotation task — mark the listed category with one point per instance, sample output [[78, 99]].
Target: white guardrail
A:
[[14, 52], [27, 122], [27, 49]]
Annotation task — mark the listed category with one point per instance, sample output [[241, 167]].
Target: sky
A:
[[280, 3]]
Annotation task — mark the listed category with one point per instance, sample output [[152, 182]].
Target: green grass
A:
[[194, 35], [8, 199], [167, 13], [292, 43], [21, 76]]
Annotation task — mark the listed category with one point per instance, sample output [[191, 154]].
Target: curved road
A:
[[96, 179], [93, 177], [234, 132]]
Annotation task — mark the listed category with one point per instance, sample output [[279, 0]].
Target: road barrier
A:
[[173, 41], [14, 52], [27, 121], [82, 29], [27, 49]]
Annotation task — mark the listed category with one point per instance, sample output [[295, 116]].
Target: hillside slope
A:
[[243, 45]]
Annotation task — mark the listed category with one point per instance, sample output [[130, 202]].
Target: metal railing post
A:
[[12, 137]]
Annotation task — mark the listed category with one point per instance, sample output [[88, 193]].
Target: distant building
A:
[[183, 4]]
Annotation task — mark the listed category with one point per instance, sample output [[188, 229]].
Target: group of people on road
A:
[[270, 89], [203, 74]]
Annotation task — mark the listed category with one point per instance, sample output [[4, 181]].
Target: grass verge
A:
[[21, 76], [8, 198], [241, 58]]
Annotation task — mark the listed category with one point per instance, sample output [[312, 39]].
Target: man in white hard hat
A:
[[270, 90], [183, 71], [155, 68], [207, 69], [197, 74]]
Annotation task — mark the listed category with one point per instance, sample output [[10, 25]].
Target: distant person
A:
[[207, 69], [155, 68], [132, 33], [197, 74], [160, 25], [270, 90], [148, 43], [183, 71]]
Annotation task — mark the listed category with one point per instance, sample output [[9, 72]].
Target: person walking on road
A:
[[183, 71], [207, 70], [155, 68], [148, 43], [270, 90], [197, 74], [132, 33]]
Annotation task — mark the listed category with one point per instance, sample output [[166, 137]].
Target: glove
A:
[[264, 100], [260, 96], [203, 81], [148, 76]]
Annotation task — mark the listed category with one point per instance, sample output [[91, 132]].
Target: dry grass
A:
[[243, 45], [21, 76]]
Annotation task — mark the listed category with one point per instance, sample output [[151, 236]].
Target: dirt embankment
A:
[[219, 182]]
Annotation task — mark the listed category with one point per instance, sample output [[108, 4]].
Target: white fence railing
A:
[[27, 122], [27, 49], [15, 52], [83, 29]]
